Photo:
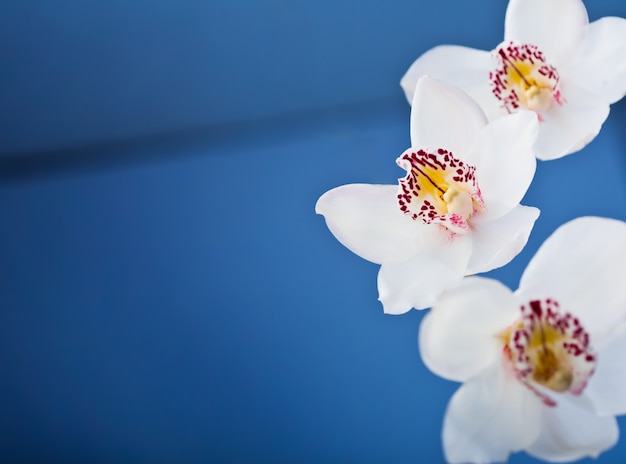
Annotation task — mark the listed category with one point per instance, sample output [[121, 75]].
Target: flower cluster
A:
[[541, 367]]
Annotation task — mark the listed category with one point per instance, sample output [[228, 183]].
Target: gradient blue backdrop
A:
[[167, 293]]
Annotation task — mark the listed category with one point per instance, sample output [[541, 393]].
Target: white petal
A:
[[607, 386], [571, 431], [418, 281], [569, 127], [367, 220], [444, 117], [489, 417], [505, 162], [600, 63], [463, 67], [582, 265], [497, 242], [458, 338], [555, 26]]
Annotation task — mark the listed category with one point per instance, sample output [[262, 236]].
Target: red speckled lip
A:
[[523, 79], [550, 348], [439, 189]]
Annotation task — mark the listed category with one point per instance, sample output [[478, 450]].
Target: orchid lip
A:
[[439, 189], [523, 79], [548, 348]]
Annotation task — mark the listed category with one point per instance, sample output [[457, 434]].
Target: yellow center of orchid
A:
[[439, 189], [533, 88], [550, 349], [523, 79], [548, 359]]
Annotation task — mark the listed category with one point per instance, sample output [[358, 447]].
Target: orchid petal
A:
[[465, 68], [572, 430], [600, 64], [555, 26], [444, 117], [489, 417], [496, 243], [582, 266], [567, 128], [367, 220], [606, 389], [418, 281], [459, 337], [505, 161]]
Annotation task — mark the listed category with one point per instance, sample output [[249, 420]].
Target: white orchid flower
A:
[[552, 61], [543, 368], [456, 212]]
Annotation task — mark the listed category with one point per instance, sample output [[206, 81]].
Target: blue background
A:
[[167, 292]]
